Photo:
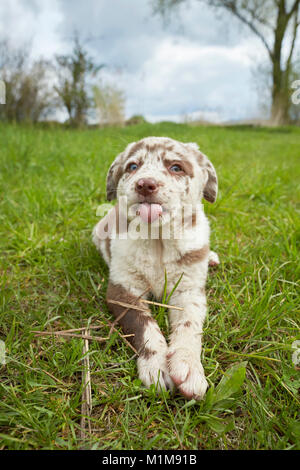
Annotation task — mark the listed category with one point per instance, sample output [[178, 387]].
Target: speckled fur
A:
[[138, 265]]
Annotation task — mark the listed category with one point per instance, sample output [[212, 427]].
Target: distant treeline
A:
[[70, 85]]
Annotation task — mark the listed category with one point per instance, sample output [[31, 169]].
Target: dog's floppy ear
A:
[[113, 176], [210, 190]]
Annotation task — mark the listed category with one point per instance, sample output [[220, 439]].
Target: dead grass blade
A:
[[127, 308], [150, 302], [112, 328], [86, 400], [73, 335]]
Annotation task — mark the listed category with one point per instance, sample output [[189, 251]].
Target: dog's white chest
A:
[[148, 260]]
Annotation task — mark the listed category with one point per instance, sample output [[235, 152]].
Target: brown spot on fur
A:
[[151, 148], [200, 158], [188, 168], [187, 324], [158, 147], [139, 277], [134, 321], [147, 353], [185, 164], [118, 174], [213, 179], [114, 174], [111, 192], [209, 193], [194, 256], [136, 147], [148, 148], [107, 247], [211, 187]]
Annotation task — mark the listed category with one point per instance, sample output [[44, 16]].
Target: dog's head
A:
[[159, 175]]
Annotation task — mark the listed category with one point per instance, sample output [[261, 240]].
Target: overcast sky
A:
[[198, 65]]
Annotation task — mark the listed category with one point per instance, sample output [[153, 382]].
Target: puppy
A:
[[145, 237]]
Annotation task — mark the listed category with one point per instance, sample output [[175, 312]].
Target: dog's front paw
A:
[[213, 259], [187, 373], [154, 370]]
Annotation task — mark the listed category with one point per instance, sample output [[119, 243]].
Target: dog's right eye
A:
[[132, 167]]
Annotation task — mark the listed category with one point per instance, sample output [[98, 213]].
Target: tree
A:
[[74, 73], [110, 105], [28, 95], [275, 23]]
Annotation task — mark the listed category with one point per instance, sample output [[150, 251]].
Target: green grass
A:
[[52, 278]]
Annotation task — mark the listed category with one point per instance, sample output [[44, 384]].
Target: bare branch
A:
[[294, 9], [231, 6], [295, 31]]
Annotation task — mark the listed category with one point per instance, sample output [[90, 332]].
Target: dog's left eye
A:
[[132, 167], [176, 168]]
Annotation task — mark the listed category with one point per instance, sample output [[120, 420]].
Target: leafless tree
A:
[[28, 94], [110, 104], [75, 72], [275, 23]]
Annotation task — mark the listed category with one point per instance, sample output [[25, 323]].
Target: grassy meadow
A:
[[52, 278]]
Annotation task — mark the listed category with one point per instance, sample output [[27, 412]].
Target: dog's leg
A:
[[213, 259], [185, 344], [148, 340]]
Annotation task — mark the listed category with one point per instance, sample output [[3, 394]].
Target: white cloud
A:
[[196, 65], [31, 22], [183, 78]]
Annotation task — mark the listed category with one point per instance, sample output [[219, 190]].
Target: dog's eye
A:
[[176, 169], [132, 167]]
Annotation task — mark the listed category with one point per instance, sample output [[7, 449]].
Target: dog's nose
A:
[[146, 186]]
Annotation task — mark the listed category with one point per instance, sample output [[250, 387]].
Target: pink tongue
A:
[[149, 212]]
